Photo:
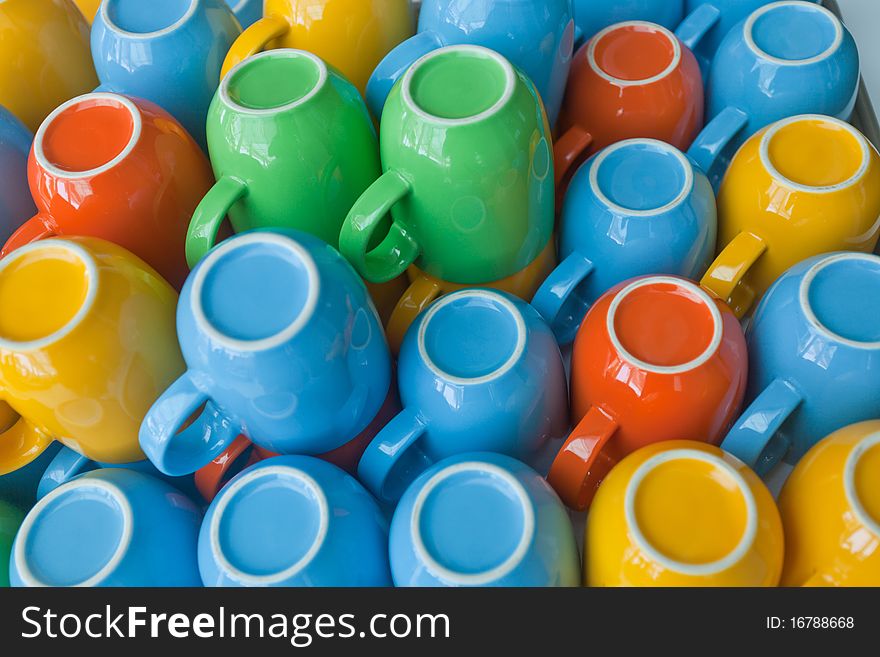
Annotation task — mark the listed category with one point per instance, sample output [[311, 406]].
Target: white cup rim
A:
[[155, 34], [849, 482], [665, 73], [815, 59]]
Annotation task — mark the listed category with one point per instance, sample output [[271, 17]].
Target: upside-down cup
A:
[[656, 358]]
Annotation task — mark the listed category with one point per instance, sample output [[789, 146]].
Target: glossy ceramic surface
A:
[[10, 520], [457, 111], [814, 359], [282, 344], [122, 170], [481, 519], [19, 487], [786, 58], [292, 146], [16, 204], [247, 12], [638, 207], [89, 8], [166, 51], [632, 79], [831, 511], [479, 370], [294, 521], [350, 35], [591, 16], [62, 64], [536, 36], [425, 289], [87, 344], [656, 358], [683, 513], [131, 530], [800, 187]]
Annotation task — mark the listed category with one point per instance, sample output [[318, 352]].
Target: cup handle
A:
[[554, 299], [753, 439], [32, 230], [714, 138], [210, 479], [567, 150], [725, 276], [421, 293], [394, 65], [393, 460], [697, 24], [582, 462], [20, 444], [209, 215], [398, 250], [178, 451], [253, 40], [66, 465]]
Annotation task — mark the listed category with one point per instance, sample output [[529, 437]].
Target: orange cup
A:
[[633, 79], [120, 169], [656, 358]]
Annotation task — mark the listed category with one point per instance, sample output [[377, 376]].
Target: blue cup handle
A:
[[394, 65], [66, 465], [175, 451], [714, 138], [697, 25], [555, 299], [393, 459], [753, 439]]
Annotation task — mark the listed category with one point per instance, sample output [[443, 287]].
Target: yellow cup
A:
[[830, 508], [89, 8], [351, 35], [682, 513], [425, 289], [800, 187], [44, 57], [87, 344]]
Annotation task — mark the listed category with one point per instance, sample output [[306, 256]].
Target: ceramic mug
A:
[[104, 165], [683, 513], [656, 358], [131, 530], [10, 521], [633, 79], [19, 487], [638, 207], [814, 346], [16, 204], [350, 35], [467, 174], [294, 521], [425, 289], [87, 344], [45, 55], [831, 511], [282, 344], [165, 51], [800, 187], [591, 16], [89, 8], [786, 58], [482, 519], [479, 370], [537, 37], [292, 145], [247, 12]]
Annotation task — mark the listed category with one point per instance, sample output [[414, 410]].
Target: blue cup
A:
[[536, 36], [785, 59], [478, 370], [814, 359], [593, 16], [169, 52], [16, 204], [282, 344], [481, 519], [109, 527], [637, 207], [247, 12], [294, 521], [21, 486]]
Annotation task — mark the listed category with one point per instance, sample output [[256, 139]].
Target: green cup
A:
[[10, 520], [468, 174], [292, 145]]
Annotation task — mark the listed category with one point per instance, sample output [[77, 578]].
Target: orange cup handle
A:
[[32, 230], [567, 150], [421, 293], [582, 463]]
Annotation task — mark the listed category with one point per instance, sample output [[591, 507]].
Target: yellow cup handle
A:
[[725, 275], [20, 444], [421, 293], [254, 40]]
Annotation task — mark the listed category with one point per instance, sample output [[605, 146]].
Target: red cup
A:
[[121, 169], [633, 79], [656, 358]]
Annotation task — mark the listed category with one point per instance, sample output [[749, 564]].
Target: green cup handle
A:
[[210, 213], [398, 249]]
